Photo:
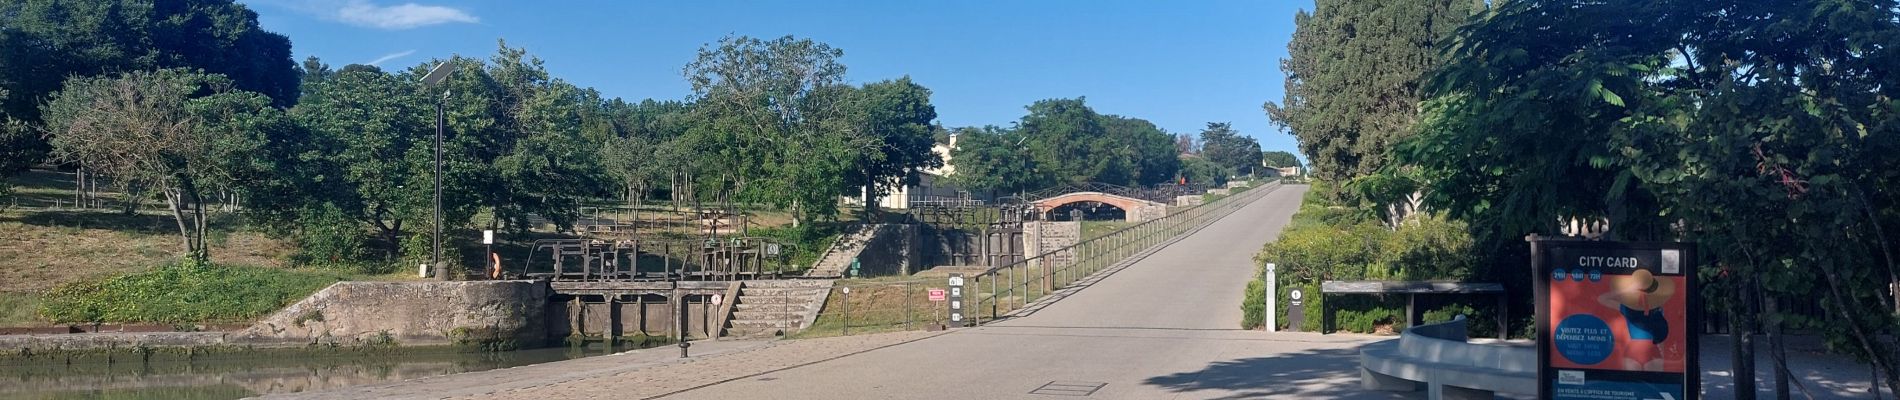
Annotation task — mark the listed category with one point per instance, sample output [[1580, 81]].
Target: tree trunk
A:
[[1872, 345], [79, 190], [1743, 343], [1778, 349], [172, 201], [870, 197], [191, 225], [196, 199]]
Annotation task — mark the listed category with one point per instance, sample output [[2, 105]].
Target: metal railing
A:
[[1007, 288], [890, 304]]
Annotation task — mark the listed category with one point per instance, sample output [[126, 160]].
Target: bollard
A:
[[1272, 295], [683, 326]]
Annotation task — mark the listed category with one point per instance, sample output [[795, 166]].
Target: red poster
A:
[[1615, 320]]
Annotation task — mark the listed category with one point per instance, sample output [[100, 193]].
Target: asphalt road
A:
[[1165, 327]]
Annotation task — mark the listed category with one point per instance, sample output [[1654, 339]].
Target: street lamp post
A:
[[435, 77]]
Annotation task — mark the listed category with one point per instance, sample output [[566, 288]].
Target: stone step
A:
[[779, 292], [761, 324], [797, 307], [767, 315], [788, 283], [752, 333], [775, 300]]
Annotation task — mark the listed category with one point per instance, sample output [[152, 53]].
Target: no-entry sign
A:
[[938, 294], [1616, 320]]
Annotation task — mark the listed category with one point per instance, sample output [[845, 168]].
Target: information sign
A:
[[956, 300], [1616, 320]]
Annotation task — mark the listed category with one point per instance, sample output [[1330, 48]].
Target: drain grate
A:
[[1069, 388]]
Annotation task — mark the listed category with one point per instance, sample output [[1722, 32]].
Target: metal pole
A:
[[436, 258]]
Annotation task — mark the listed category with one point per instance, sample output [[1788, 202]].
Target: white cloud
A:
[[380, 60], [401, 16], [368, 13]]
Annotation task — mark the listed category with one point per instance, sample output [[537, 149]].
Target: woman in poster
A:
[[1639, 298]]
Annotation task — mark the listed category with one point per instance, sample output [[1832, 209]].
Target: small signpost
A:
[[1616, 320], [956, 300], [488, 247], [1295, 309], [938, 294]]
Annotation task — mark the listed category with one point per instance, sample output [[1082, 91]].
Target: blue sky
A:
[[1178, 64]]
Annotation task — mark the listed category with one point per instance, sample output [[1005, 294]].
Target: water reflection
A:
[[232, 378]]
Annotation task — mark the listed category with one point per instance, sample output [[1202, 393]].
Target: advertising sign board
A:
[[1616, 320]]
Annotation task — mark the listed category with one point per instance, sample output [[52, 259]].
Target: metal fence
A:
[[904, 303], [879, 306], [1006, 288]]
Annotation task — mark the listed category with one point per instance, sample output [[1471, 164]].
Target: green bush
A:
[[806, 242], [183, 293], [1253, 312], [1479, 321], [326, 237], [1367, 320], [1329, 241], [1428, 247]]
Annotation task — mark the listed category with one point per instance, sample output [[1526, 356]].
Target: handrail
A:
[[1110, 234], [1090, 254]]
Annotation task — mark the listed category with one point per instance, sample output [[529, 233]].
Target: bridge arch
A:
[[1136, 210]]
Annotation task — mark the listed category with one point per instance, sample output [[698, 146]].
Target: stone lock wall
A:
[[1045, 236], [411, 313]]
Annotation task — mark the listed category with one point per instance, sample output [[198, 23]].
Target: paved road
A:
[[1163, 328]]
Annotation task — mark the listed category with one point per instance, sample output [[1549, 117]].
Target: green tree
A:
[[1760, 130], [1198, 169], [1280, 159], [776, 124], [42, 43], [376, 130], [1067, 138], [996, 159], [1353, 72], [1151, 150], [181, 132], [1223, 145], [637, 155], [894, 115]]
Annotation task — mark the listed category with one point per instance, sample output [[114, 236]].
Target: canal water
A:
[[231, 378]]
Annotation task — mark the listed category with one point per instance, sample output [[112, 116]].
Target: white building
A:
[[932, 185]]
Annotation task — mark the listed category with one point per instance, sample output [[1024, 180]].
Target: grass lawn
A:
[[882, 304], [1095, 229], [41, 250]]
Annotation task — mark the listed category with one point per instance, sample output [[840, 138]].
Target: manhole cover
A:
[[1069, 388]]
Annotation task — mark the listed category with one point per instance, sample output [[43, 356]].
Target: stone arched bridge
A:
[[1135, 209]]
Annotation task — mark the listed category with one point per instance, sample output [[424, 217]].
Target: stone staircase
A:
[[837, 258], [764, 309]]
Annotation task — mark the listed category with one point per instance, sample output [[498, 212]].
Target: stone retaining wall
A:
[[409, 313]]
